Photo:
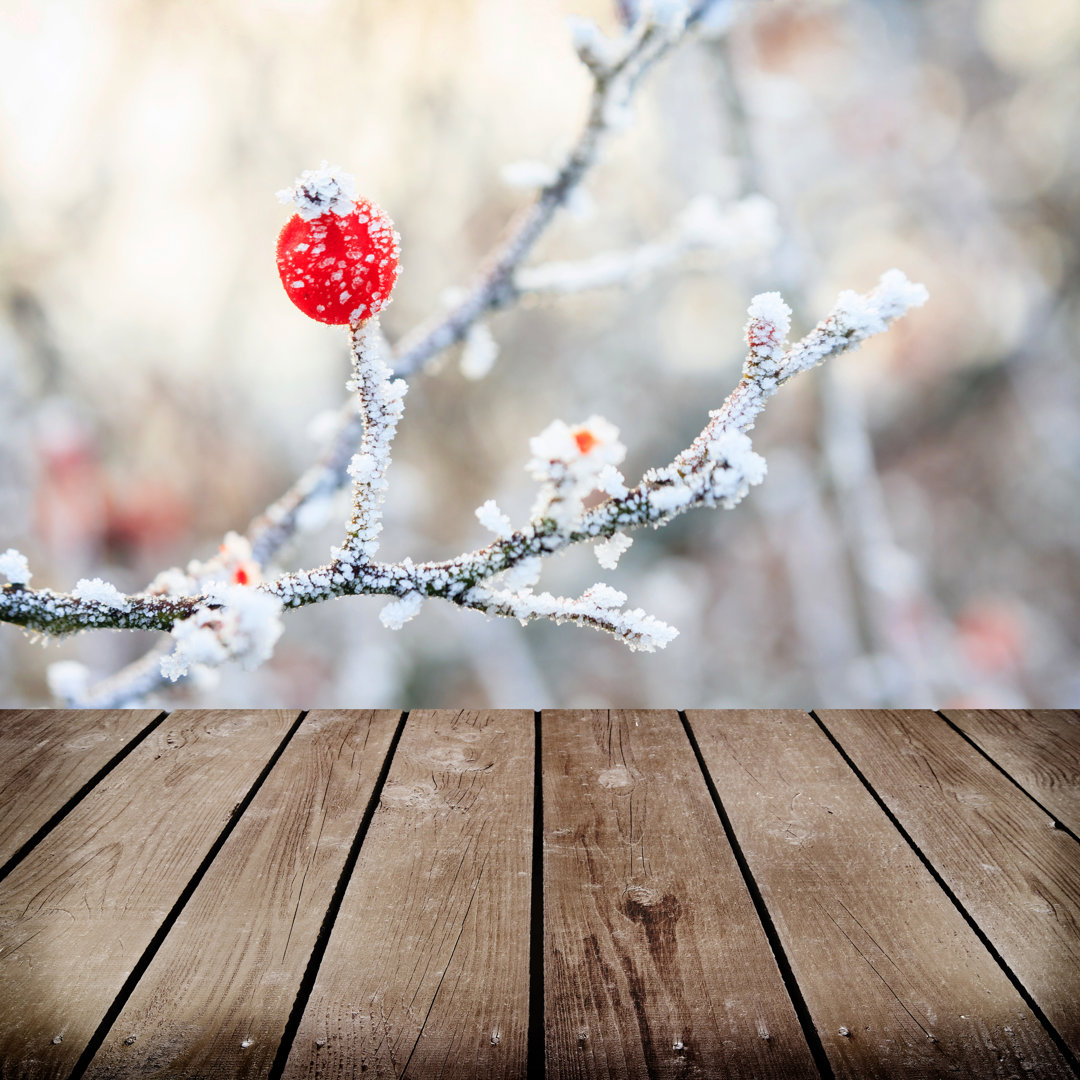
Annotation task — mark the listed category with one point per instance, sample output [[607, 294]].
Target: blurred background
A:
[[917, 540]]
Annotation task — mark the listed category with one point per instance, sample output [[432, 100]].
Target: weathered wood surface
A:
[[78, 912], [656, 964], [346, 902], [1017, 876], [427, 969], [1039, 749], [896, 981], [216, 998], [49, 756]]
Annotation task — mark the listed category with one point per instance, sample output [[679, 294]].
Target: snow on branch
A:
[[229, 620], [616, 66], [381, 403], [742, 230], [230, 607]]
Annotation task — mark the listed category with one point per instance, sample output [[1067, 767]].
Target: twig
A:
[[494, 285], [717, 469], [615, 77]]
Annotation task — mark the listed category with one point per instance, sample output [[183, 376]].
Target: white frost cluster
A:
[[234, 564], [767, 328], [67, 680], [479, 352], [609, 551], [597, 51], [669, 15], [895, 295], [588, 447], [568, 462], [233, 623], [744, 228], [173, 582], [717, 470], [735, 452], [612, 482], [398, 612], [599, 607], [96, 591], [14, 567], [522, 575], [771, 361], [854, 318], [317, 191], [493, 519]]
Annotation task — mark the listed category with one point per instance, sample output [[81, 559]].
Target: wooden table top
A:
[[575, 893]]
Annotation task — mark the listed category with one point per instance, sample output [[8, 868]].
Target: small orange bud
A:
[[585, 440]]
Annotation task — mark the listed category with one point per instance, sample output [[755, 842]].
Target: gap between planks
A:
[[992, 849]]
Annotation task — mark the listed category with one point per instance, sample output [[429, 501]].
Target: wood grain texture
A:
[[1038, 748], [216, 998], [48, 755], [896, 981], [78, 912], [656, 964], [427, 970], [1018, 877]]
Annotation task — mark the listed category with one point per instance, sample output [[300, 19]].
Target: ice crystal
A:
[[608, 552], [96, 591], [397, 613], [768, 326], [596, 50], [233, 623], [67, 680], [14, 567], [492, 518], [479, 352], [316, 191]]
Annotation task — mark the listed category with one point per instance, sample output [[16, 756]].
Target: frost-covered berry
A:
[[338, 255]]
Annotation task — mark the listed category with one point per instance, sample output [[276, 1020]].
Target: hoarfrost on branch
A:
[[230, 607]]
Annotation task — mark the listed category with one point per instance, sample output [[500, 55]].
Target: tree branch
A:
[[717, 469]]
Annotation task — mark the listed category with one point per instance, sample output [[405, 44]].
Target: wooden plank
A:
[[78, 912], [895, 979], [216, 998], [47, 755], [656, 963], [1038, 748], [426, 972], [1016, 876]]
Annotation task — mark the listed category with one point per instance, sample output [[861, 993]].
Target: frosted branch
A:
[[381, 403], [616, 67], [742, 230], [625, 60], [231, 621]]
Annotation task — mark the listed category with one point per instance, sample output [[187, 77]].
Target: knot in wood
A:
[[616, 778]]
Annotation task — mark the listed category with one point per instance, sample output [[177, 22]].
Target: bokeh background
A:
[[917, 539]]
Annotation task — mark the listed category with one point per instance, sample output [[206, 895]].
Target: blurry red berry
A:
[[339, 268]]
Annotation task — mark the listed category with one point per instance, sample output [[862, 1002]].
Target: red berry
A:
[[339, 268]]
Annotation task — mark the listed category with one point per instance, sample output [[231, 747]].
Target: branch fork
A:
[[228, 609]]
